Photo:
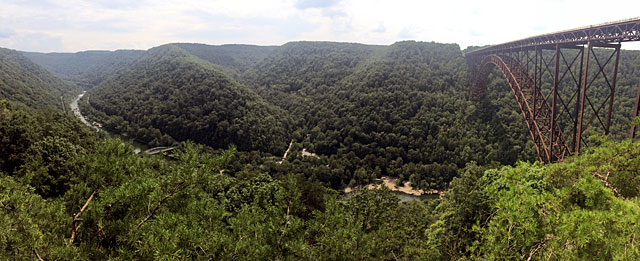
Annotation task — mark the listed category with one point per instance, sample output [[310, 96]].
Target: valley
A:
[[319, 130], [76, 111], [308, 150], [138, 147]]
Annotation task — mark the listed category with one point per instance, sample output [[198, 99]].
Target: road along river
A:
[[138, 147]]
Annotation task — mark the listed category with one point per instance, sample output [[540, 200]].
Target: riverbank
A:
[[390, 183], [138, 147], [76, 111]]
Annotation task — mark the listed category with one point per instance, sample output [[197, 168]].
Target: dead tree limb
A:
[[175, 190], [76, 217], [38, 255], [604, 180]]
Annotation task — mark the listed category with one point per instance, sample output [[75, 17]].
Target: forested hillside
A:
[[364, 111], [399, 110], [232, 59], [90, 68], [169, 95], [85, 69], [297, 65], [626, 91], [25, 82], [72, 195]]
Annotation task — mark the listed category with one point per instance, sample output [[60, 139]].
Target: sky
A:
[[75, 25]]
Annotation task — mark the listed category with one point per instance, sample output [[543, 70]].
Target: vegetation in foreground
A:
[[76, 196]]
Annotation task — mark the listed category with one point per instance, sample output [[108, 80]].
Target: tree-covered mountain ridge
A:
[[348, 102], [25, 82], [88, 68], [400, 110], [170, 95]]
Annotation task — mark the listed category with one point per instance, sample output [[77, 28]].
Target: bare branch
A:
[[537, 248], [606, 184], [76, 217], [38, 255], [175, 190]]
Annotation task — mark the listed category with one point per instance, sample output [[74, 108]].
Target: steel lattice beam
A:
[[634, 114], [537, 113], [614, 32], [571, 61]]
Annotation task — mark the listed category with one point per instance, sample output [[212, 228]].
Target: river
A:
[[404, 197], [405, 192], [76, 111], [138, 147]]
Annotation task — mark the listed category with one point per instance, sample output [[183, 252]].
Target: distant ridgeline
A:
[[25, 82], [366, 110], [85, 69]]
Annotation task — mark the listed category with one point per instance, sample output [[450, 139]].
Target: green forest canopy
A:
[[73, 195], [321, 95], [367, 111]]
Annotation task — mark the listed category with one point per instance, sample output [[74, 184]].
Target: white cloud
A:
[[74, 25]]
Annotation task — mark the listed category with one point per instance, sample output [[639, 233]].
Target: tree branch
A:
[[38, 255], [76, 217], [606, 184], [175, 190], [537, 248]]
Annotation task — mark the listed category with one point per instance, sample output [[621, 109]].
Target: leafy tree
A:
[[464, 206], [49, 165], [566, 210], [32, 227]]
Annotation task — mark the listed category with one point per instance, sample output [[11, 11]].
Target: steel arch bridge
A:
[[557, 80]]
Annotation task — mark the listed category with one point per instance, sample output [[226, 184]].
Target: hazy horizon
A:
[[625, 46], [73, 26]]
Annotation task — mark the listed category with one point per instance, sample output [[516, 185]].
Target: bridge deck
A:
[[612, 32], [157, 150]]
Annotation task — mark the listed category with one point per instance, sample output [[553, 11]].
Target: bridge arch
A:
[[580, 104], [549, 141]]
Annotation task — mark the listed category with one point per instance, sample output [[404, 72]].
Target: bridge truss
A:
[[559, 81]]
